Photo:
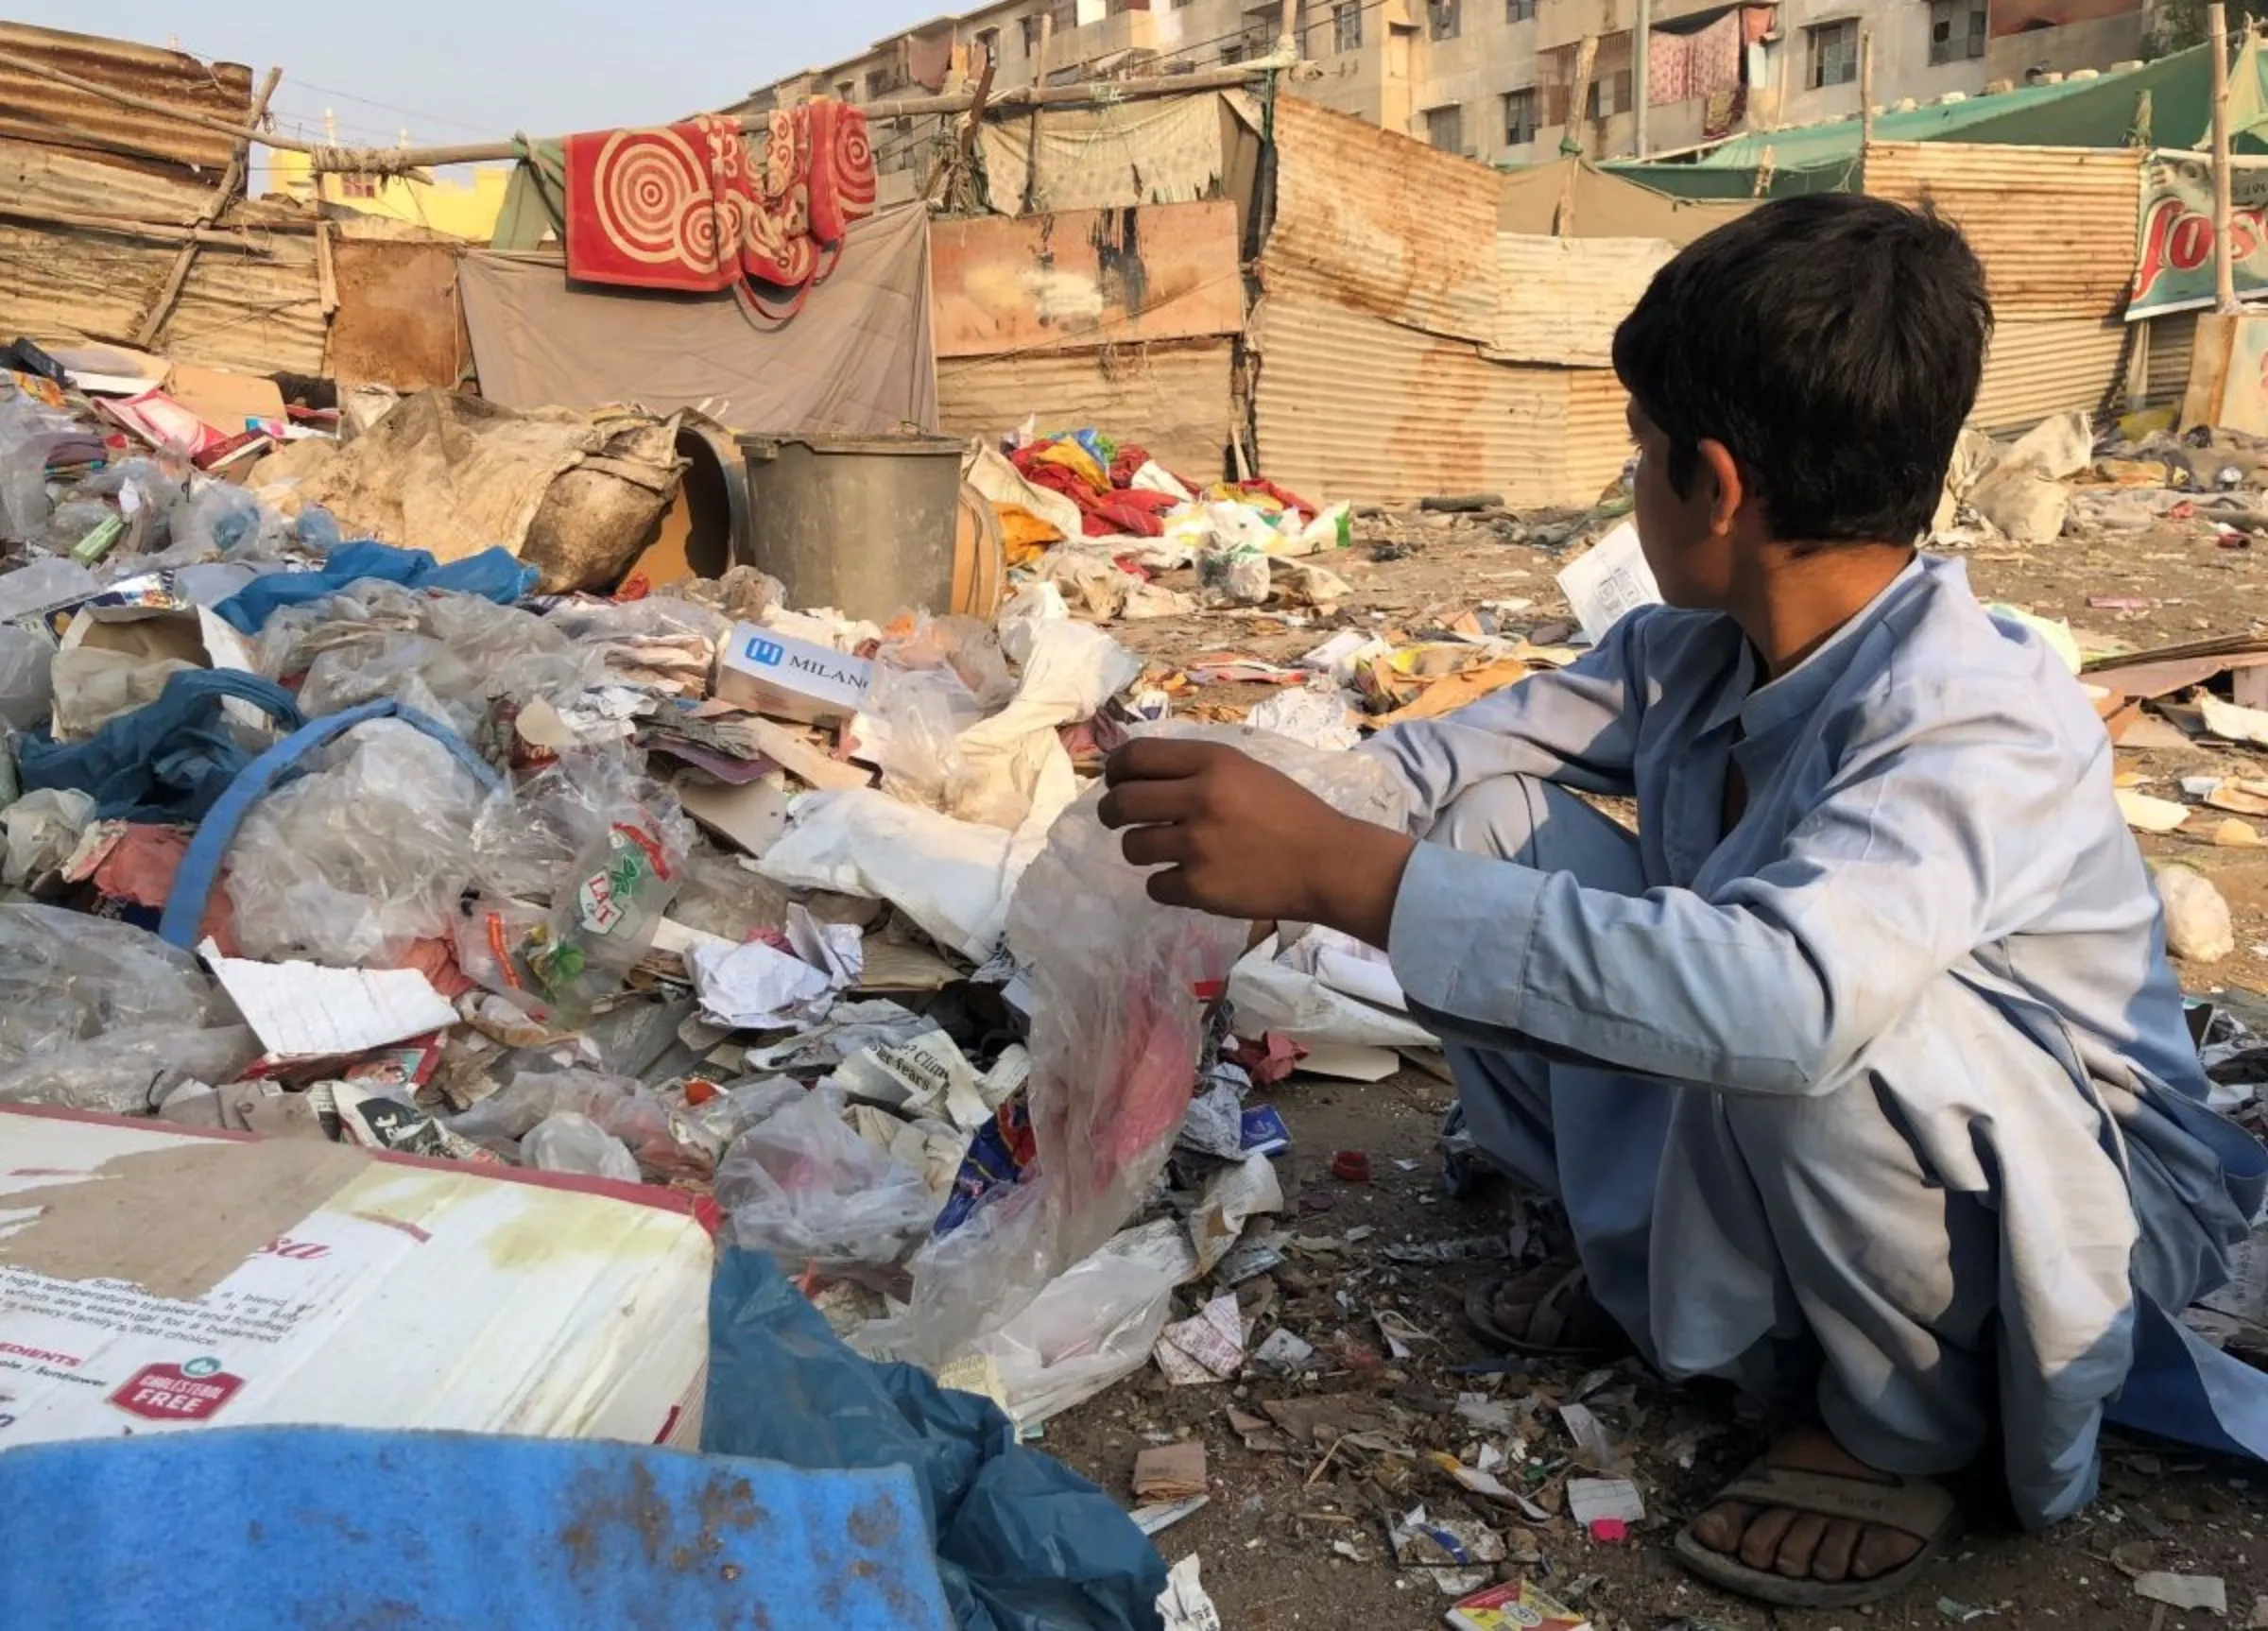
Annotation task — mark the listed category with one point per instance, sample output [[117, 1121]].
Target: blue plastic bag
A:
[[1023, 1542], [493, 574]]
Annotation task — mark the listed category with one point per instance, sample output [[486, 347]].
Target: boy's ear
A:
[[1723, 490]]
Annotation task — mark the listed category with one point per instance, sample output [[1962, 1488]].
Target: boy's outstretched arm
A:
[[1576, 726], [1938, 835]]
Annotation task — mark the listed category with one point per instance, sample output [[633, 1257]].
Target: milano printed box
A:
[[768, 673]]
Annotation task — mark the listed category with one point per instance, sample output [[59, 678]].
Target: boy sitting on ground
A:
[[1859, 1068]]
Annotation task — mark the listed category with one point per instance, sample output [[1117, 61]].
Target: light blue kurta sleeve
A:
[[1576, 726], [1935, 834]]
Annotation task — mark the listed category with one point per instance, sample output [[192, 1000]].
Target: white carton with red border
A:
[[158, 1279]]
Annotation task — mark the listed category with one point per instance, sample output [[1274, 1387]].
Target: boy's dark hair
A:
[[1832, 343]]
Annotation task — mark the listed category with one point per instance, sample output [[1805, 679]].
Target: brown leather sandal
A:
[[1917, 1507]]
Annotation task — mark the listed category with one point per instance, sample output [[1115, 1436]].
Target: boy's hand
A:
[[1240, 841]]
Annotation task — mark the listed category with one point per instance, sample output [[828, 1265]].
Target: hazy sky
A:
[[461, 71]]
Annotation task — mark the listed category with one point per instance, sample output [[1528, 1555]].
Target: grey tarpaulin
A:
[[857, 359]]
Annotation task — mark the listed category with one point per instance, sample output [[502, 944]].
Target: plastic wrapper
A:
[[504, 1118], [453, 655], [528, 836], [907, 725], [566, 1142], [218, 521], [43, 827], [353, 863], [740, 1107], [1032, 605], [606, 911], [27, 684], [1092, 1325], [802, 1186], [51, 580], [1117, 1025], [101, 1016], [725, 895]]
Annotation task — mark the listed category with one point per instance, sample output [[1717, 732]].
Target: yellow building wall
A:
[[464, 208]]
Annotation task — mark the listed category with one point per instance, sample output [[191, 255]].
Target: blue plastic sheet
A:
[[493, 574], [324, 1529], [166, 760], [1023, 1543]]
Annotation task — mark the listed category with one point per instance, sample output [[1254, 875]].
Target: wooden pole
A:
[[400, 160], [154, 321], [1642, 42], [1286, 38], [1031, 170], [1578, 113], [162, 232], [1865, 90], [2225, 267]]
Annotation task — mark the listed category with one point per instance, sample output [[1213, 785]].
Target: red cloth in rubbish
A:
[[1133, 513], [1283, 496], [689, 207], [1266, 1061]]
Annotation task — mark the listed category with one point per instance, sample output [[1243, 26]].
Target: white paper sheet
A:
[[304, 1011], [755, 987]]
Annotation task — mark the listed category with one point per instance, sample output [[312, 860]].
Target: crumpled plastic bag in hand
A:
[[353, 865], [1116, 1025], [802, 1186], [96, 1014]]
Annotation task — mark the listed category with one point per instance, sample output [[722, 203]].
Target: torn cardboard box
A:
[[156, 1279]]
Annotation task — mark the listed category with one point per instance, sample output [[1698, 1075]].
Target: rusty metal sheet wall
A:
[[2172, 339], [1559, 299], [39, 110], [1172, 397], [1085, 278], [2042, 366], [35, 177], [2055, 226], [1381, 224], [1349, 405], [257, 308]]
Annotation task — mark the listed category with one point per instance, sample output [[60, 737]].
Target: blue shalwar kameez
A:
[[1884, 1095]]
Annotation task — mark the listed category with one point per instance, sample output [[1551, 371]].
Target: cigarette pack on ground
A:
[[153, 1279], [770, 672], [1517, 1606]]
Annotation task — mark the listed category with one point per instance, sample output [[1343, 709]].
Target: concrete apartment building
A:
[[1496, 80]]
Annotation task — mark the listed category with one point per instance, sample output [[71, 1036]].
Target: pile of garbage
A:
[[311, 835]]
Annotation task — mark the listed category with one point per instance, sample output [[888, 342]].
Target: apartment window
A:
[[1834, 54], [1031, 35], [988, 40], [1445, 129], [1519, 10], [358, 186], [1956, 30], [1443, 18], [1347, 25], [1234, 51], [1520, 116], [846, 90], [1610, 96]]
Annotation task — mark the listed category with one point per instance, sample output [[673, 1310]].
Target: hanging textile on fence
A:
[[695, 209]]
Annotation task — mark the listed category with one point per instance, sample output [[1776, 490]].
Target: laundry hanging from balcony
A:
[[699, 206]]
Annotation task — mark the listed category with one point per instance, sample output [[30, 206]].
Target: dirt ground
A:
[[1282, 1520]]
